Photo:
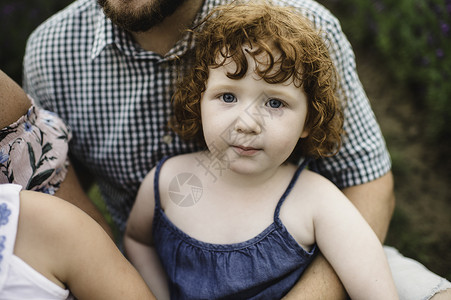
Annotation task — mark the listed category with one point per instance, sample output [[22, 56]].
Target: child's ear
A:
[[304, 133]]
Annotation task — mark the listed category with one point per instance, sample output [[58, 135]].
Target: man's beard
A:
[[140, 20]]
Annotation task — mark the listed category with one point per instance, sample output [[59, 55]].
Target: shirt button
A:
[[167, 139]]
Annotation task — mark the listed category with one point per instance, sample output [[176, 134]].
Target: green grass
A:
[[96, 197]]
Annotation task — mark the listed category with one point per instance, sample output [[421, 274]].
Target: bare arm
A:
[[64, 244], [147, 262], [351, 246], [14, 103], [138, 240], [375, 201]]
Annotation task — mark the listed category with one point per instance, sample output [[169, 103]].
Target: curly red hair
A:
[[302, 57]]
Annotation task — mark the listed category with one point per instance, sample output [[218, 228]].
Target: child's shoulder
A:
[[315, 185], [310, 194], [182, 161], [179, 164], [173, 166]]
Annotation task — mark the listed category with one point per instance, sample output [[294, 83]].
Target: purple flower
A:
[[30, 111], [439, 52], [47, 190], [8, 9], [3, 156], [5, 212], [444, 27], [28, 127]]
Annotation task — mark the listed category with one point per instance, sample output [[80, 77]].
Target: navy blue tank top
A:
[[264, 267]]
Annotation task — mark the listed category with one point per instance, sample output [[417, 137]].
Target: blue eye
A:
[[228, 98], [274, 103]]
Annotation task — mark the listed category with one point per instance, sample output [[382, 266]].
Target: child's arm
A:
[[68, 247], [138, 240], [351, 246]]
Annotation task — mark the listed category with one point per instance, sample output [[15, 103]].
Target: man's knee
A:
[[443, 295], [413, 280]]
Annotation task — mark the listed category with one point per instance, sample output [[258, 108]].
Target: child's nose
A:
[[249, 121]]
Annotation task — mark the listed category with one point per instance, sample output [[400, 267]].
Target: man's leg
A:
[[414, 281]]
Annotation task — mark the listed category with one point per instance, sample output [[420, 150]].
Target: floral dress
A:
[[33, 151]]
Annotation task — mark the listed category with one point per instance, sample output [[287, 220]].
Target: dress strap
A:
[[156, 181], [289, 188]]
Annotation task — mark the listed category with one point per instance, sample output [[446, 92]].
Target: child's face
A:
[[249, 124]]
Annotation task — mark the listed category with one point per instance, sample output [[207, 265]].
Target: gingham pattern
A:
[[116, 98]]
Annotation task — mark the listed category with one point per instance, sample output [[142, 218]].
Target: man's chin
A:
[[139, 26], [142, 20]]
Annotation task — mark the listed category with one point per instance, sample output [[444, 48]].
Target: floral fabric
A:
[[33, 151]]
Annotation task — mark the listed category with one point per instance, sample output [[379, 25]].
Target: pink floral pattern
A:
[[33, 151]]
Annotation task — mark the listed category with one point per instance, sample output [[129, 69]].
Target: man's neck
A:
[[162, 37]]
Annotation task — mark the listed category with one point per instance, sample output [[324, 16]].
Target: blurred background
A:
[[403, 53]]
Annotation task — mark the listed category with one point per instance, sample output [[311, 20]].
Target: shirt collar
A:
[[187, 42], [106, 33], [103, 36]]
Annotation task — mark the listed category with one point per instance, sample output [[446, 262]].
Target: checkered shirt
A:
[[115, 96]]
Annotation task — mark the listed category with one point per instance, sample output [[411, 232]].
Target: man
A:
[[108, 69]]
